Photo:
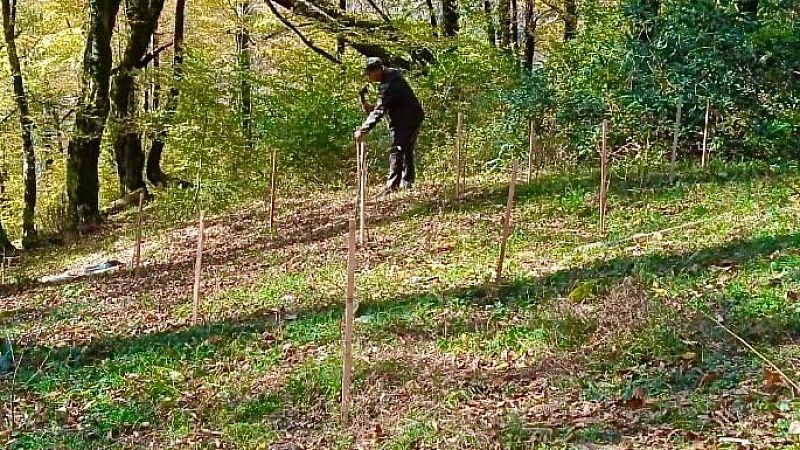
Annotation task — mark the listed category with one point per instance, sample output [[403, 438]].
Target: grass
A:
[[554, 359]]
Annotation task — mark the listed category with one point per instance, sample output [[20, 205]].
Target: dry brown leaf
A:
[[772, 379], [638, 399]]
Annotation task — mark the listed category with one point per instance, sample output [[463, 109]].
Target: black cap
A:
[[373, 63]]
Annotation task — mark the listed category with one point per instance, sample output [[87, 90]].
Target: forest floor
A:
[[593, 343]]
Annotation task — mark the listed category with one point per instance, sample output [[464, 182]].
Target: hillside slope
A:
[[594, 342]]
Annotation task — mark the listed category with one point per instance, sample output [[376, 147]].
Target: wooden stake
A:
[[362, 188], [273, 193], [137, 252], [603, 177], [677, 133], [531, 148], [349, 314], [706, 154], [197, 268], [507, 222], [459, 126]]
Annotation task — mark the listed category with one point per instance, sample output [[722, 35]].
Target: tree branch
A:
[[150, 56], [380, 12], [300, 35]]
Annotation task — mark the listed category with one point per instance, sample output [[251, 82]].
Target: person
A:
[[404, 116]]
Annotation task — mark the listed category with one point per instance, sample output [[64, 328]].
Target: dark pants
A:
[[401, 158]]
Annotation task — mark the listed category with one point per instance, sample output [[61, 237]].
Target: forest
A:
[[601, 248]]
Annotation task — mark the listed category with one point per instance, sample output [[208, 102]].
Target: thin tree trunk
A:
[[340, 42], [83, 153], [504, 18], [243, 56], [26, 124], [155, 87], [5, 243], [433, 19], [491, 33], [530, 33], [514, 24], [570, 19], [154, 172], [450, 17]]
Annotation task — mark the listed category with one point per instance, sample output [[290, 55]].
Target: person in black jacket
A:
[[404, 115]]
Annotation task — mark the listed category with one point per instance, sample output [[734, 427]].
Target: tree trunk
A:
[[26, 124], [570, 19], [5, 244], [504, 18], [83, 152], [450, 18], [491, 33], [340, 42], [243, 56], [154, 172], [142, 17], [530, 33], [433, 18], [514, 24]]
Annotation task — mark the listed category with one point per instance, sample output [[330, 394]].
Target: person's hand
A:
[[359, 135]]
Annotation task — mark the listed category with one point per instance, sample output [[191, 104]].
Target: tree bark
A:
[[154, 172], [143, 18], [504, 19], [531, 23], [340, 43], [83, 152], [243, 57], [434, 20], [26, 124], [450, 18], [491, 33], [5, 243], [514, 24], [570, 20]]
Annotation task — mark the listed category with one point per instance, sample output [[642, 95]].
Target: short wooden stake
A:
[[706, 153], [349, 315], [137, 251], [362, 193], [676, 134], [273, 193], [507, 223], [603, 177], [531, 148], [198, 265]]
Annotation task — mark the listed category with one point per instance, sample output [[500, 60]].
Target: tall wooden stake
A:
[[349, 314], [362, 193], [459, 144], [507, 222], [273, 193], [706, 154], [531, 148], [198, 265], [603, 177], [137, 252], [677, 133]]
